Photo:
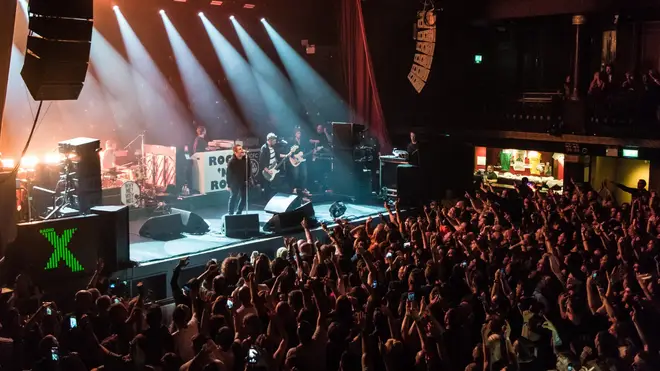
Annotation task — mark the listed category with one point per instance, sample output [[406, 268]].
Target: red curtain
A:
[[359, 74]]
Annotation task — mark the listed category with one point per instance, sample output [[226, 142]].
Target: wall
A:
[[620, 170]]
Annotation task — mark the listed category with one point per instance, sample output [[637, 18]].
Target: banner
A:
[[210, 171]]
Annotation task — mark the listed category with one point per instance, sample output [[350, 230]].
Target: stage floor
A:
[[147, 251]]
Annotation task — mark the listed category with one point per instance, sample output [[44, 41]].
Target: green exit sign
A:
[[630, 153], [478, 58]]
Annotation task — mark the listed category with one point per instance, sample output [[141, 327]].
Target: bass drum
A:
[[130, 194]]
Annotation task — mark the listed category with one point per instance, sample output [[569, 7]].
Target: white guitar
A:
[[299, 157]]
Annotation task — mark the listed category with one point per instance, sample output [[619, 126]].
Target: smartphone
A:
[[113, 285], [374, 284], [570, 367], [117, 301], [388, 255], [73, 322], [253, 356], [594, 275], [185, 288], [230, 303], [49, 311], [54, 354], [406, 245], [464, 264], [502, 270], [411, 296]]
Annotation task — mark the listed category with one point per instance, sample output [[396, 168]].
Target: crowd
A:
[[629, 96], [512, 280]]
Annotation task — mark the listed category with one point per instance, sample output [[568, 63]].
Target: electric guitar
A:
[[270, 174], [299, 157]]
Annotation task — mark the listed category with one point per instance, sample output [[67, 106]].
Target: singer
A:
[[237, 179]]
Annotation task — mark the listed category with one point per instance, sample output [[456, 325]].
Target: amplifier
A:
[[388, 171]]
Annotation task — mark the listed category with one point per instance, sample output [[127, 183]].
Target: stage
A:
[[148, 251], [155, 260]]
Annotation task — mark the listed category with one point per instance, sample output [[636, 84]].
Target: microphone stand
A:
[[247, 182]]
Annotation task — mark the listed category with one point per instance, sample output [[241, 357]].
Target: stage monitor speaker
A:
[[290, 220], [162, 227], [56, 63], [241, 225], [409, 185], [192, 223], [282, 202], [114, 248]]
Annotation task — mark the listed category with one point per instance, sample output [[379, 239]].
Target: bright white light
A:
[[162, 12], [29, 162], [7, 163], [201, 14], [52, 158], [115, 8], [263, 20], [232, 17]]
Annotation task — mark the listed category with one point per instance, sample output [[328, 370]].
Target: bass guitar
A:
[[272, 172], [299, 157]]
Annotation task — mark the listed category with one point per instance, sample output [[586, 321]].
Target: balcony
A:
[[620, 115]]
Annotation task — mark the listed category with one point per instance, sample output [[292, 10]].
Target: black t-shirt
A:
[[199, 145]]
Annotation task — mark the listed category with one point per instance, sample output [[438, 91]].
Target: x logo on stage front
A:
[[62, 252]]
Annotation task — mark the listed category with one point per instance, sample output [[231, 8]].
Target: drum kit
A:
[[130, 178]]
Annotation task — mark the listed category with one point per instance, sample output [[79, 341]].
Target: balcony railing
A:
[[622, 115]]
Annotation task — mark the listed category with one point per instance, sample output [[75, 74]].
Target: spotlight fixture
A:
[[232, 17], [162, 12], [115, 8], [249, 6], [263, 20], [216, 2], [201, 14]]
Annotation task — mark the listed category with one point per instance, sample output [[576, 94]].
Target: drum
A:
[[130, 194]]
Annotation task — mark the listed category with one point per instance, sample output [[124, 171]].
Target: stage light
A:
[[29, 162], [232, 17], [52, 158], [162, 12], [201, 14], [115, 8], [263, 20], [249, 6], [7, 163], [216, 2]]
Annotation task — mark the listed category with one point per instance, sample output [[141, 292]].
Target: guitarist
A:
[[298, 174], [268, 158]]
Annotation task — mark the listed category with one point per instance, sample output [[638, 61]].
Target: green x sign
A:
[[61, 252]]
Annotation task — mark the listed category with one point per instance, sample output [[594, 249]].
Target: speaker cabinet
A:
[[162, 227], [8, 213], [290, 220], [282, 202], [114, 248], [241, 225], [56, 63], [409, 185], [192, 223]]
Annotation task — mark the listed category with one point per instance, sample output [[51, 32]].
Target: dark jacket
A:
[[236, 171]]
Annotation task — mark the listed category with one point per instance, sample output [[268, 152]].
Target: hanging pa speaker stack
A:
[[58, 48]]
